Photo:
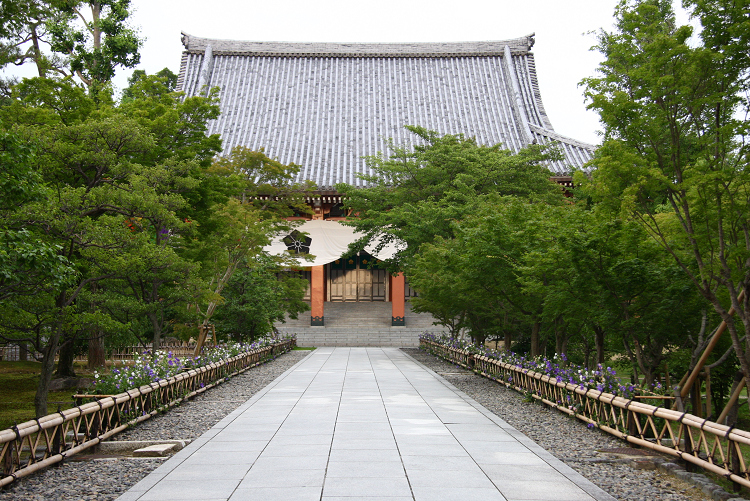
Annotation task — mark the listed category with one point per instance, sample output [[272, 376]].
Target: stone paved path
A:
[[362, 423]]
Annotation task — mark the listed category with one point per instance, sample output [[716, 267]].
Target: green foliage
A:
[[167, 77], [21, 27], [97, 45], [119, 189], [258, 295], [28, 263], [415, 194], [45, 101]]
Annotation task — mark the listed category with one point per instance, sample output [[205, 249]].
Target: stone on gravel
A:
[[155, 451]]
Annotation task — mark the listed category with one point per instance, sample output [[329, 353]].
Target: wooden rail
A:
[[712, 446], [33, 445]]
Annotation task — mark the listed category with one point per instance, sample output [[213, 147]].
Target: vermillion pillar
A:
[[317, 295], [398, 318]]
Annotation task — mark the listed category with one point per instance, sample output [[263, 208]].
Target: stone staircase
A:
[[359, 324]]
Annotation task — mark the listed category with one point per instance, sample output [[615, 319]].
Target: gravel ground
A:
[[105, 478], [567, 438]]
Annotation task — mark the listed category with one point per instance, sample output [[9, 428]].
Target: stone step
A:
[[360, 324]]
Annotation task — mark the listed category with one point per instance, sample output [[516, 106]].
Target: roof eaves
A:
[[563, 139], [518, 46]]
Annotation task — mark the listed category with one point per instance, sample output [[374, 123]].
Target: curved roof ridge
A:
[[518, 46], [563, 139]]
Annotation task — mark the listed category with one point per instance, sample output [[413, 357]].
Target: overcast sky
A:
[[563, 34]]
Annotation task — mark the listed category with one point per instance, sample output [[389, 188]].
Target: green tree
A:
[[258, 295], [27, 261], [88, 39], [167, 77], [109, 170], [263, 195], [415, 194], [634, 291], [675, 154], [95, 38]]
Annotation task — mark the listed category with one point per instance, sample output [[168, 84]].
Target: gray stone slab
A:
[[363, 443], [422, 493], [449, 478], [368, 498], [292, 450], [283, 478], [220, 458], [407, 449], [499, 473], [277, 494], [238, 445], [539, 490], [455, 463], [195, 490], [358, 486], [284, 439], [376, 469], [360, 455], [291, 463], [189, 472]]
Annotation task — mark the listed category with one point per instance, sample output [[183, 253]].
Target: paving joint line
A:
[[335, 422], [438, 417], [390, 426]]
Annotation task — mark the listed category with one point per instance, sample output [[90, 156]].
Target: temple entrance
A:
[[350, 279]]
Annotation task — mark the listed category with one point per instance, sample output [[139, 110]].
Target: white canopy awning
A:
[[327, 241]]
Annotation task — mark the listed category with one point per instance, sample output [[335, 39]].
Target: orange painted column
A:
[[317, 295], [398, 319]]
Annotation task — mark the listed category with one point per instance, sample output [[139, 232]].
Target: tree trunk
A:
[[157, 331], [97, 356], [507, 340], [599, 340], [559, 339], [23, 352], [40, 64], [535, 351], [66, 359], [48, 366], [587, 355]]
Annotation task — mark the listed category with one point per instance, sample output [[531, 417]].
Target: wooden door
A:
[[350, 280]]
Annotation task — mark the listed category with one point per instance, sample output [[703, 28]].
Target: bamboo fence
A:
[[715, 447], [33, 445]]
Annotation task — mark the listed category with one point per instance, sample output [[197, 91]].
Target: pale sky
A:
[[561, 52]]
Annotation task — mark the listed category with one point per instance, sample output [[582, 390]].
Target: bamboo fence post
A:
[[708, 393], [707, 352], [732, 400]]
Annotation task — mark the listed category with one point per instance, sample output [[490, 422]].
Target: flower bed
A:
[[601, 378], [148, 367]]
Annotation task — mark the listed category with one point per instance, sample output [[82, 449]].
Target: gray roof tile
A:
[[325, 106]]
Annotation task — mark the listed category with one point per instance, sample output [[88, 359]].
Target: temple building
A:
[[325, 106]]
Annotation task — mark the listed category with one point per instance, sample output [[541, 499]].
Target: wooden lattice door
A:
[[351, 280]]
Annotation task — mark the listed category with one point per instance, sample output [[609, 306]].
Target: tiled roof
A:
[[325, 106]]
